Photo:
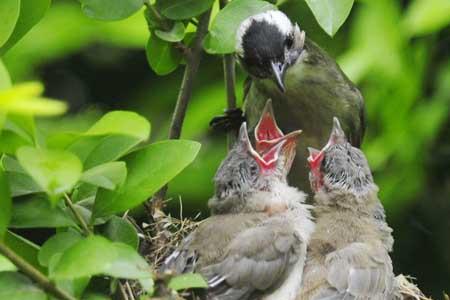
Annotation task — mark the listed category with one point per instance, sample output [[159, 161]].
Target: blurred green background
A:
[[397, 52]]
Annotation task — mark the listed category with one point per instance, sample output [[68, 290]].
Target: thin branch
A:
[[130, 291], [229, 73], [230, 84], [77, 215], [184, 95], [122, 292], [34, 274], [190, 73]]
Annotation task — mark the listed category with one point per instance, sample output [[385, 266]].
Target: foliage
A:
[[77, 181]]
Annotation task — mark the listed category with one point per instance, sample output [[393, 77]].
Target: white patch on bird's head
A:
[[273, 17]]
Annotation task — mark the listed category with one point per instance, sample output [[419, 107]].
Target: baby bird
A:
[[254, 244], [348, 251]]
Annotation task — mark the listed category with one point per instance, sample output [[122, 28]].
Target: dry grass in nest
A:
[[164, 234], [408, 289], [159, 239]]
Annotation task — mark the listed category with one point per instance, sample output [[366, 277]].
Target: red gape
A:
[[315, 161], [267, 131]]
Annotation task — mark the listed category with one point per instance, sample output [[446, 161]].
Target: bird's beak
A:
[[267, 161], [315, 158], [289, 147], [278, 70], [337, 135], [267, 131]]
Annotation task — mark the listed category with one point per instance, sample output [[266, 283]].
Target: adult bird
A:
[[348, 254], [306, 86], [254, 244]]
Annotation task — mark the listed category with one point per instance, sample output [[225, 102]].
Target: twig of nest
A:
[[408, 290]]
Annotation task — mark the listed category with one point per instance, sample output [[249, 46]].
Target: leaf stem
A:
[[77, 215], [34, 274], [185, 93]]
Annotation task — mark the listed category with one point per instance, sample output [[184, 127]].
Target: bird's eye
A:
[[289, 41], [253, 170]]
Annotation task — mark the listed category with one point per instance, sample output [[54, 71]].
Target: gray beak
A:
[[278, 70]]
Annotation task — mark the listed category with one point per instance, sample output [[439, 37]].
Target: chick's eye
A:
[[289, 41], [253, 170]]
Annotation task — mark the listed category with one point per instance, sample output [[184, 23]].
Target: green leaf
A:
[[110, 10], [74, 287], [96, 150], [176, 34], [24, 248], [108, 175], [31, 12], [24, 99], [55, 171], [187, 281], [20, 183], [330, 14], [221, 38], [184, 9], [15, 286], [38, 213], [10, 142], [5, 79], [23, 126], [121, 122], [5, 203], [120, 230], [149, 169], [110, 138], [147, 285], [6, 264], [96, 255], [9, 13], [162, 56], [426, 16], [57, 244], [128, 264]]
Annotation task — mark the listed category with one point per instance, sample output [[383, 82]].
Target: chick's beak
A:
[[289, 147], [267, 132], [278, 70], [337, 135]]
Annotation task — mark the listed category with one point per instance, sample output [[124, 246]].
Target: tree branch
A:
[[229, 73], [77, 215], [230, 85], [34, 274], [190, 73], [184, 95]]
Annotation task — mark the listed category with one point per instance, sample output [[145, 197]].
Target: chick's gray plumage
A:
[[245, 250], [348, 254]]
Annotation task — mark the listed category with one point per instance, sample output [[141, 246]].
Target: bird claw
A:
[[230, 120]]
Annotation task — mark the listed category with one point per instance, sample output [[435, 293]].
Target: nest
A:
[[165, 233], [159, 239], [408, 290]]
